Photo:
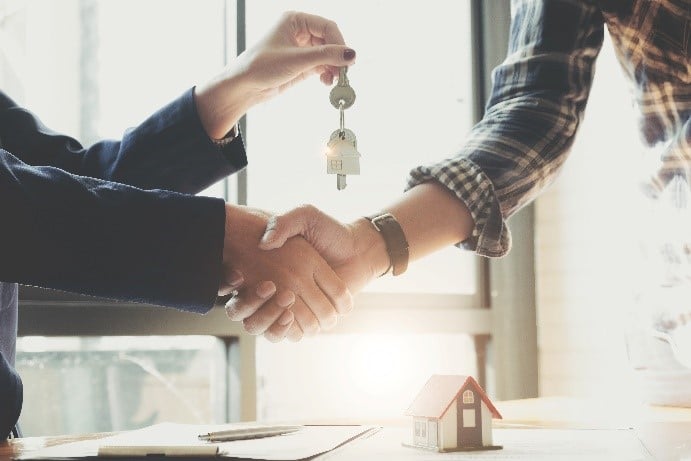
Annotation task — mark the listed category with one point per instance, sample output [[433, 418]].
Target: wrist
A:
[[243, 227], [220, 103], [371, 247]]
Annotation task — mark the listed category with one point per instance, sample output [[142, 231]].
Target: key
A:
[[342, 95]]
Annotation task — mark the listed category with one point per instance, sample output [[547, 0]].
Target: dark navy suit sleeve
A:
[[97, 221], [169, 150], [10, 397]]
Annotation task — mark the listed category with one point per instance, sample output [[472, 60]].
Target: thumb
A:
[[281, 228]]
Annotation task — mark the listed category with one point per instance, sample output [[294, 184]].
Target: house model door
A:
[[469, 424]]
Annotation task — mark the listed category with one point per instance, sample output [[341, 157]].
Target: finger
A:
[[305, 317], [295, 333], [270, 313], [247, 302], [321, 27], [321, 308], [281, 228], [231, 282], [335, 290], [327, 78], [335, 56], [279, 330]]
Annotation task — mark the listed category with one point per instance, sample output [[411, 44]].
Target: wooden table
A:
[[665, 432]]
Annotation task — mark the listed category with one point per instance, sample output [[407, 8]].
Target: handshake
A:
[[294, 274]]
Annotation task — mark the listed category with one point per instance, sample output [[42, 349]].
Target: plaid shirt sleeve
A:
[[538, 97]]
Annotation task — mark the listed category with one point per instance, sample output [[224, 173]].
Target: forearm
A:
[[107, 239], [169, 150], [221, 102], [431, 217]]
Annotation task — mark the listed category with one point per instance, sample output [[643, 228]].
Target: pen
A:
[[243, 433]]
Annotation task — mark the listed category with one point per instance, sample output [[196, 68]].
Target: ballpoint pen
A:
[[252, 432]]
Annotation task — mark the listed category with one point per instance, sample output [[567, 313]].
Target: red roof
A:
[[440, 392]]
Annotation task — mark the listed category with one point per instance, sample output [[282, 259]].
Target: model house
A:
[[452, 413]]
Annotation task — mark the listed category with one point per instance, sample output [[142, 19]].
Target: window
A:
[[418, 425], [432, 433], [468, 396], [85, 384], [421, 117]]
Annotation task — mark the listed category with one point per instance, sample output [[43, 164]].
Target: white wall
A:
[[585, 251]]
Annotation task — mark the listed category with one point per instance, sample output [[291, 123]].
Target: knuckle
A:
[[330, 25], [285, 298], [289, 14], [308, 208]]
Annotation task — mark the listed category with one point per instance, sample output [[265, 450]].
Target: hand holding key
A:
[[298, 46]]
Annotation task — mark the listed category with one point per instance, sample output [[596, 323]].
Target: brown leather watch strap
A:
[[394, 238]]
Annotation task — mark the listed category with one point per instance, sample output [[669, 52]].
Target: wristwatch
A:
[[394, 238]]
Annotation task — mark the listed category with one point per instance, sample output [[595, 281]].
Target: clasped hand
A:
[[302, 252], [296, 289]]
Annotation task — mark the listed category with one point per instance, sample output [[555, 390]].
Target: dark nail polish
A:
[[349, 54]]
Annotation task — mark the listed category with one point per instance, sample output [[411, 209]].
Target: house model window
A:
[[468, 397], [452, 413]]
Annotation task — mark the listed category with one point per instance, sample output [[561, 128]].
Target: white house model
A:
[[452, 413]]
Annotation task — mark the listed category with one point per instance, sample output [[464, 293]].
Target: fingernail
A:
[[268, 236], [231, 312], [236, 279], [349, 54], [266, 289], [286, 318]]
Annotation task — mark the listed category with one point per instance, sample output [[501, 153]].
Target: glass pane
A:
[[412, 107], [76, 385], [358, 376], [107, 70]]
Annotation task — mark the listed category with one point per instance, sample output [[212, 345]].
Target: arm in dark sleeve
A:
[[169, 150], [539, 94], [11, 394], [85, 235]]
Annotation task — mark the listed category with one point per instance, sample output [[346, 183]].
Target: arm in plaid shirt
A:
[[538, 97]]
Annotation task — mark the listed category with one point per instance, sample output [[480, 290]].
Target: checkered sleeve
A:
[[538, 97]]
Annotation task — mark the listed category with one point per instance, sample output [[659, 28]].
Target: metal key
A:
[[342, 95]]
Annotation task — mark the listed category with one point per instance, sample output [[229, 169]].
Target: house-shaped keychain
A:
[[452, 413]]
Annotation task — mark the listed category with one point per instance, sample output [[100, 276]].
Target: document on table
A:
[[527, 444], [181, 440]]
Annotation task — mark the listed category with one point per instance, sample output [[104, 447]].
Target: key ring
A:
[[341, 109]]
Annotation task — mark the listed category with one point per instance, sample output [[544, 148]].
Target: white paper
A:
[[518, 444], [308, 442]]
